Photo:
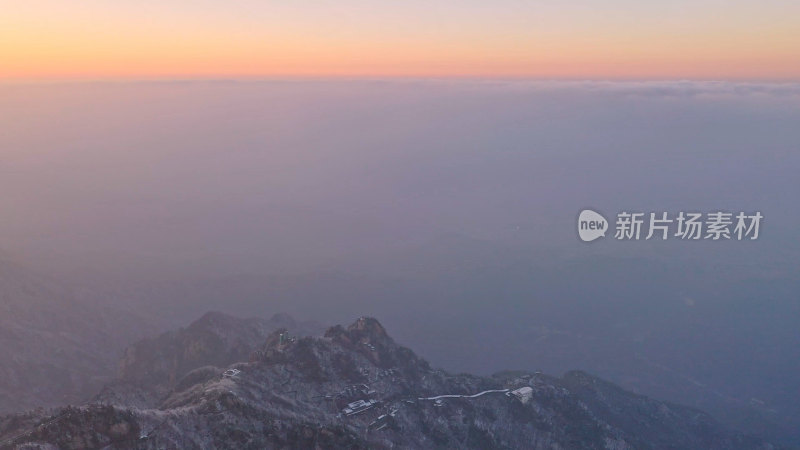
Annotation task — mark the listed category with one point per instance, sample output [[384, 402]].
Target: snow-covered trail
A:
[[464, 396]]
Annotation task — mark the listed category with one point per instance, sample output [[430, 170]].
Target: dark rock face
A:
[[357, 388]]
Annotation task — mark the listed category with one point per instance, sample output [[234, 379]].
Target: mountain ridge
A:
[[355, 387]]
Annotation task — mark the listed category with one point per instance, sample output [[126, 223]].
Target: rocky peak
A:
[[212, 320], [368, 326], [366, 331]]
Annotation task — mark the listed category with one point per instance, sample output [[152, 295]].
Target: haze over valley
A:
[[445, 209]]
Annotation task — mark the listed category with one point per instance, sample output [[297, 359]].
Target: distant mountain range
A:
[[224, 382]]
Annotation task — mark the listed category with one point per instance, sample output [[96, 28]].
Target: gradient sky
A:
[[718, 39]]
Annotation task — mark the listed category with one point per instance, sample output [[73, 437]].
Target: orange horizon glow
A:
[[126, 41]]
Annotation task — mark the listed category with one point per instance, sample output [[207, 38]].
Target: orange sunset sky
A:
[[613, 39]]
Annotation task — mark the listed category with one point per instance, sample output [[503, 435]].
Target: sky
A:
[[293, 175], [584, 39]]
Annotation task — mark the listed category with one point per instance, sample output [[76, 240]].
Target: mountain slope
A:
[[357, 388]]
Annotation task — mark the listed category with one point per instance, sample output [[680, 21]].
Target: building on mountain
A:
[[523, 394], [358, 407]]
